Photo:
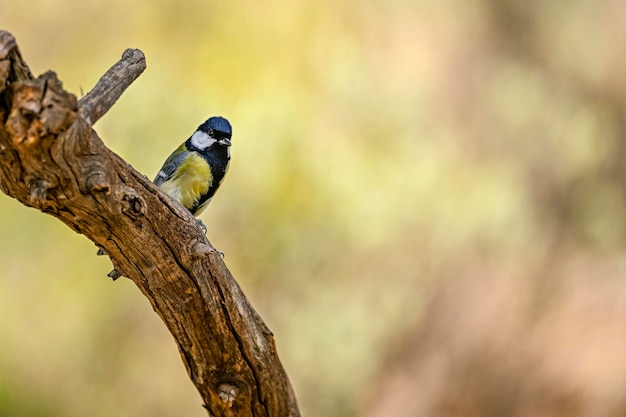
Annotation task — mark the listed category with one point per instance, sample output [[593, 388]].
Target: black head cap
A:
[[217, 127]]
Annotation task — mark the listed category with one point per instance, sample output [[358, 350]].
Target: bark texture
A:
[[51, 159]]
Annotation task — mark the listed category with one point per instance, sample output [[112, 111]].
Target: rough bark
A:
[[51, 159]]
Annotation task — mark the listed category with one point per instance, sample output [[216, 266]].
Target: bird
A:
[[195, 170]]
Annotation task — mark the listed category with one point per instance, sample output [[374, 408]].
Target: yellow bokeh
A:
[[377, 145]]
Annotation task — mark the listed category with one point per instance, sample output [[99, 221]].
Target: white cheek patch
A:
[[201, 140]]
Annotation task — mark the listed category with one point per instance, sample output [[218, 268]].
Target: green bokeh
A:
[[375, 145]]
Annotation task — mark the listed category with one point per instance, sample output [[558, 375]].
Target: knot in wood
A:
[[40, 108], [23, 124], [97, 181], [227, 394], [38, 191], [29, 108], [133, 204]]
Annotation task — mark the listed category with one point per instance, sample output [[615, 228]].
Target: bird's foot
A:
[[202, 226]]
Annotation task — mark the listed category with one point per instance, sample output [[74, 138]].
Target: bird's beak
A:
[[224, 142]]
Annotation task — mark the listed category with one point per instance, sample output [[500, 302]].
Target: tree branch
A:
[[52, 160], [111, 85]]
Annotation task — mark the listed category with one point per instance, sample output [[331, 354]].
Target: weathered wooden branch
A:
[[52, 160], [111, 85]]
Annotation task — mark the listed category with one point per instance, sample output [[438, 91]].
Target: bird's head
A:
[[215, 131]]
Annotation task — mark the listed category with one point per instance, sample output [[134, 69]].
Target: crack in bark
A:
[[243, 351]]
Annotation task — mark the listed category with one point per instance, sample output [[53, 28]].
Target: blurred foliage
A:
[[377, 146]]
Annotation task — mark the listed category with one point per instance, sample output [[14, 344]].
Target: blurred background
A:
[[426, 204]]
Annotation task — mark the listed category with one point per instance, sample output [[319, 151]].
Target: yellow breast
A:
[[192, 179]]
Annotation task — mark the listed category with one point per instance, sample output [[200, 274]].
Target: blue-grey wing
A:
[[171, 165]]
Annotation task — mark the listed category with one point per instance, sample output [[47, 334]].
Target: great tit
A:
[[193, 172]]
